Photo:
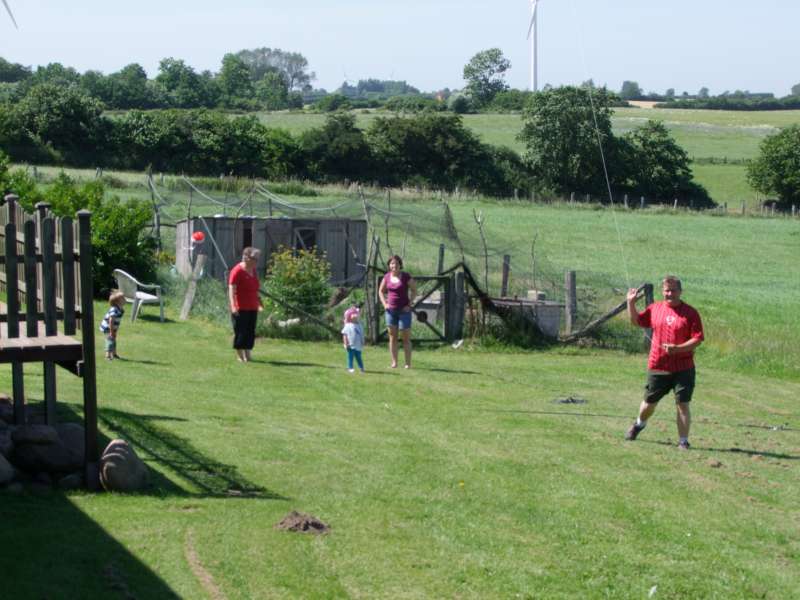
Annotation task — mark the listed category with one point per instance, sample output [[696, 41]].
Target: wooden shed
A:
[[342, 241]]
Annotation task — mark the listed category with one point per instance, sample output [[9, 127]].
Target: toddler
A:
[[353, 338], [111, 322]]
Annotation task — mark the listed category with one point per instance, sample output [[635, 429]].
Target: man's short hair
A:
[[250, 252], [672, 279]]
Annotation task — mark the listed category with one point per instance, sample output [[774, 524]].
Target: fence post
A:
[[459, 306], [648, 300], [571, 302], [11, 207], [440, 266], [572, 197], [48, 240], [641, 202], [506, 269], [625, 201], [12, 280], [91, 452], [675, 204]]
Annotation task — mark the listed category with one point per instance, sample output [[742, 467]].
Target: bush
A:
[[300, 279], [117, 240]]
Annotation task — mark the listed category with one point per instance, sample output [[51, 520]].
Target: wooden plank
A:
[[31, 299], [92, 454], [68, 271], [192, 287], [12, 328], [47, 242]]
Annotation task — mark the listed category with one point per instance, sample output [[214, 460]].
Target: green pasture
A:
[[464, 477], [704, 134]]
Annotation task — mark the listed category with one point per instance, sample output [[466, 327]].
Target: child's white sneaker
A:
[[351, 370]]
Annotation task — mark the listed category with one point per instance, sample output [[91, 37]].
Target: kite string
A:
[[600, 146]]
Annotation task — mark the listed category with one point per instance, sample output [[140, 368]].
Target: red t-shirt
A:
[[245, 296], [671, 326]]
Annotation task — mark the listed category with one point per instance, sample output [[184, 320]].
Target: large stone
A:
[[73, 436], [73, 481], [6, 471], [6, 444], [120, 469], [50, 458], [6, 409], [35, 434]]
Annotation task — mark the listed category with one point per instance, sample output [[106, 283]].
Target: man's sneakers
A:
[[683, 445], [633, 432]]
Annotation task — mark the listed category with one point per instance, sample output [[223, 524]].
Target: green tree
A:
[[561, 137], [796, 89], [630, 90], [182, 87], [776, 170], [130, 88], [293, 66], [484, 74], [300, 279], [272, 91], [65, 119], [235, 85], [659, 168], [338, 150], [13, 72], [703, 93]]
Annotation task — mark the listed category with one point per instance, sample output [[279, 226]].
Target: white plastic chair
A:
[[131, 288]]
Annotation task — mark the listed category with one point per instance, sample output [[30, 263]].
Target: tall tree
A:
[[181, 85], [561, 139], [485, 75], [13, 72], [292, 65], [796, 89], [630, 90], [776, 170], [234, 81]]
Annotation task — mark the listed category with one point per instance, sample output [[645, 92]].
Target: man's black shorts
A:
[[660, 384]]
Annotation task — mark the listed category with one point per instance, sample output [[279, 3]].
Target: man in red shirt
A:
[[677, 331]]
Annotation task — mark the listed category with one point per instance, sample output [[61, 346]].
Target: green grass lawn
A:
[[463, 477]]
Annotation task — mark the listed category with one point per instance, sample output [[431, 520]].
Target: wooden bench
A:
[[46, 274]]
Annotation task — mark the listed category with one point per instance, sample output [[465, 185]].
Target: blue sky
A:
[[682, 44]]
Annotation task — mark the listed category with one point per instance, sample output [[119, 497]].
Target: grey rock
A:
[[7, 472], [121, 470], [51, 458], [6, 444], [73, 437], [35, 434], [6, 409], [73, 481]]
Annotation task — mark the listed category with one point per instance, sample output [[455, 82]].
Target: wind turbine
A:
[[534, 47], [10, 14]]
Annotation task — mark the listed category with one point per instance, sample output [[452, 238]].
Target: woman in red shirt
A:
[[245, 302]]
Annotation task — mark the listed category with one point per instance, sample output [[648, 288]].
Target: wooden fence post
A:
[[625, 201], [91, 453], [459, 306], [12, 293], [648, 300], [641, 202], [48, 240], [440, 266], [571, 302], [506, 269]]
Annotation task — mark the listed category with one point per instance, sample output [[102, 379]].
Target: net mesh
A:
[[431, 233]]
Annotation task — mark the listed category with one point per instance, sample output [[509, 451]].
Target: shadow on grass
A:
[[142, 362], [283, 363], [733, 450], [52, 549], [210, 478], [435, 370], [556, 413]]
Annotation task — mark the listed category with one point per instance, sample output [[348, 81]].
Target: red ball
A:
[[198, 236]]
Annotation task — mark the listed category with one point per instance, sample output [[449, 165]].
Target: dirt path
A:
[[203, 576]]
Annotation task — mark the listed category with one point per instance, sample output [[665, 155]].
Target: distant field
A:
[[730, 135]]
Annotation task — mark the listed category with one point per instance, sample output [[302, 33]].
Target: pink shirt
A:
[[397, 292], [671, 326]]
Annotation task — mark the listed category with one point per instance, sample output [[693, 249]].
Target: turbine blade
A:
[[533, 18], [10, 14]]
